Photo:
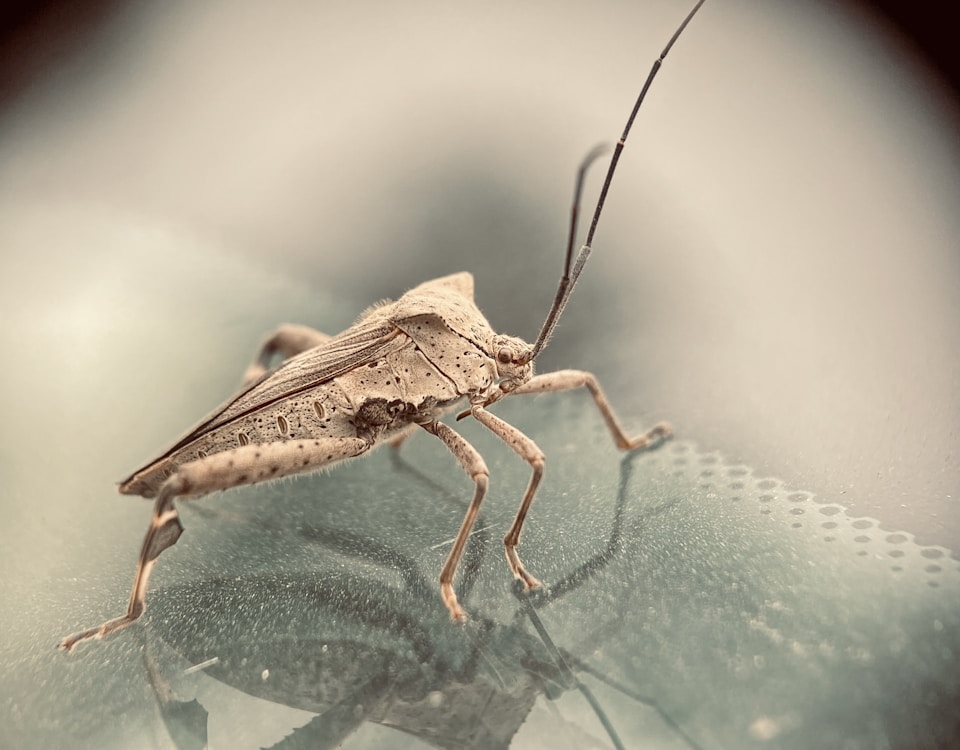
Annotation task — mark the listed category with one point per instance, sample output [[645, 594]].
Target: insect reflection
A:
[[374, 654], [402, 365]]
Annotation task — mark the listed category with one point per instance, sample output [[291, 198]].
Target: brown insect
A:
[[402, 365]]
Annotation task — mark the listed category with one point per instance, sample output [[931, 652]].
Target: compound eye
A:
[[505, 356]]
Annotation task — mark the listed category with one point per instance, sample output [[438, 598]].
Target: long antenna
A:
[[569, 278]]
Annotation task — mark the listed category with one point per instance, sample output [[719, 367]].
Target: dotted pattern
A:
[[801, 510]]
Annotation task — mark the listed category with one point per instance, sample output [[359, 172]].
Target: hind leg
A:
[[164, 531], [245, 465]]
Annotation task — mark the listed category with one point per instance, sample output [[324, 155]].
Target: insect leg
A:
[[564, 380], [397, 440], [163, 532], [528, 450], [248, 464], [473, 463], [288, 340]]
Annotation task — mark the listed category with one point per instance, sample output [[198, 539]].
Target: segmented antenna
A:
[[570, 277]]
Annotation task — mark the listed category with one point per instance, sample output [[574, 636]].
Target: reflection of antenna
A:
[[564, 659], [582, 666], [569, 278]]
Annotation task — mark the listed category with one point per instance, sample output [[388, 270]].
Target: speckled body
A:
[[401, 364], [423, 368]]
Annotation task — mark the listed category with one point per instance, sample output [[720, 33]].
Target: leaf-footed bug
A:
[[403, 364]]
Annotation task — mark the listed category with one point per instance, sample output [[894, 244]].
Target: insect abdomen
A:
[[319, 412], [368, 402]]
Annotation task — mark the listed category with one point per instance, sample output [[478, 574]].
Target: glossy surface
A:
[[776, 274]]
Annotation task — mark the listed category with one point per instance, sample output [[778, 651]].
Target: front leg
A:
[[565, 380], [528, 450], [288, 340]]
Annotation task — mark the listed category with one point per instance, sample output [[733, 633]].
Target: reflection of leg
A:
[[331, 729], [476, 468], [595, 564], [565, 380], [244, 465], [362, 546], [287, 341], [524, 447], [186, 721]]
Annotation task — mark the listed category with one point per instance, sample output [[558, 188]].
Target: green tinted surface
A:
[[699, 605]]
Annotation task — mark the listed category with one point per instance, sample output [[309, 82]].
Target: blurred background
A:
[[776, 271], [785, 212]]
